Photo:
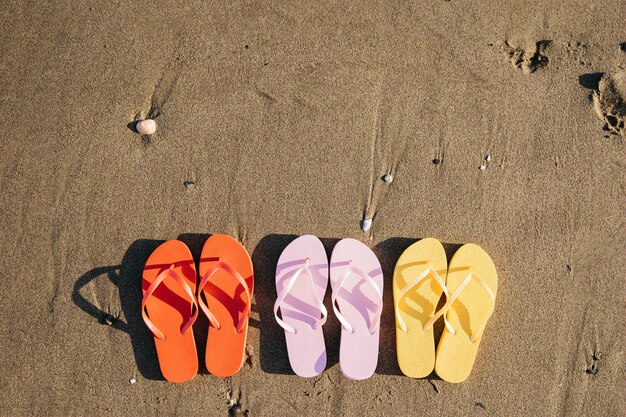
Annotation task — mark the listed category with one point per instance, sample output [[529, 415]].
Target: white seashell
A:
[[109, 320], [146, 127], [388, 178], [483, 167], [133, 380], [366, 224], [488, 158]]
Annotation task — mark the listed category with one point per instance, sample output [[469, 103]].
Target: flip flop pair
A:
[[356, 278], [469, 283], [171, 302]]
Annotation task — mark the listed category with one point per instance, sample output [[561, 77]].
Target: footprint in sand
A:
[[608, 101], [529, 59]]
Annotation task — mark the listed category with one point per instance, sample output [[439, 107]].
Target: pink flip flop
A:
[[357, 281], [301, 281]]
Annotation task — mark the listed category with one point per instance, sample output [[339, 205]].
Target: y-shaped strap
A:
[[455, 295], [205, 279], [170, 272], [358, 272], [285, 291], [428, 271]]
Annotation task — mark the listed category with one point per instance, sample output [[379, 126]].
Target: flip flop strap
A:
[[170, 272], [428, 271], [342, 319], [471, 275], [205, 279], [285, 291]]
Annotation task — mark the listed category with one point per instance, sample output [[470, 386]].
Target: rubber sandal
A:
[[357, 282], [418, 283], [301, 282], [169, 308], [472, 282], [225, 297]]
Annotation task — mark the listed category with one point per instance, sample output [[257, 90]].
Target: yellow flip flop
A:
[[418, 282], [472, 283]]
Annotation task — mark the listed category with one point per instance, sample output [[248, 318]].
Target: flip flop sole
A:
[[306, 348], [456, 354], [226, 299], [357, 302], [169, 308], [416, 348]]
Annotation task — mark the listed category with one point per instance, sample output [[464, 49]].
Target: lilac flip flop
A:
[[301, 282], [357, 282]]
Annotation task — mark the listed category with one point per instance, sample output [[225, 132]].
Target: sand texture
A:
[[280, 118]]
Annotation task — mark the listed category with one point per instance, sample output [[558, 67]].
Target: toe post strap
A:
[[354, 270], [221, 265], [304, 270], [162, 276], [450, 300], [407, 288]]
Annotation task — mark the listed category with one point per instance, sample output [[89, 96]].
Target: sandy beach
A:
[[501, 124]]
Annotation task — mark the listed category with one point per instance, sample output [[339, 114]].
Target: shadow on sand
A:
[[127, 278]]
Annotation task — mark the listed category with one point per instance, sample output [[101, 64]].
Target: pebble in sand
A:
[[146, 127]]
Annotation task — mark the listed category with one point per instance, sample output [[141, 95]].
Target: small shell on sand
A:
[[366, 224], [388, 178], [146, 127], [483, 167], [132, 380], [488, 157]]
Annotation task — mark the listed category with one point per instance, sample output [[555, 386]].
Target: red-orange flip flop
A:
[[169, 308], [226, 281]]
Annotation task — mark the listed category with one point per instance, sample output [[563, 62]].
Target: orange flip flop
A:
[[169, 308], [226, 281]]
